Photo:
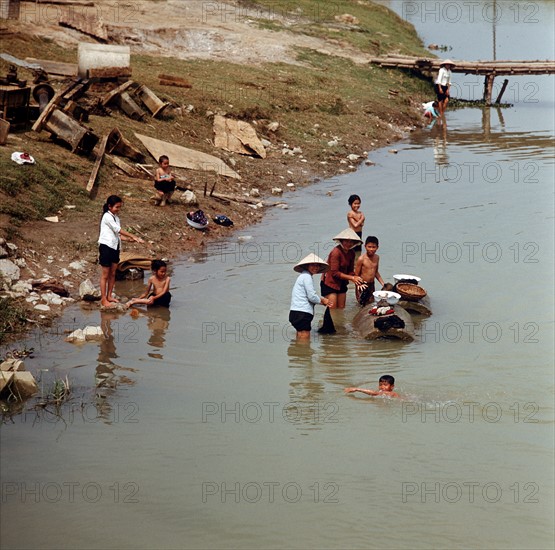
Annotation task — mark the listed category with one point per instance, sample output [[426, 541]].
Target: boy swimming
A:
[[386, 385]]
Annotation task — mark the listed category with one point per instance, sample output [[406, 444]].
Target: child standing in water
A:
[[164, 181], [355, 218], [157, 292], [109, 245], [367, 266]]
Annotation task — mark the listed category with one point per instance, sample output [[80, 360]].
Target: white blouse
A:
[[443, 77], [110, 227]]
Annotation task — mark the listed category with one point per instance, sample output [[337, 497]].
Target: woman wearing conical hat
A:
[[342, 269], [304, 297], [443, 84]]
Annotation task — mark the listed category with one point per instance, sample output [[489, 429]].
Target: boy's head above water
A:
[[386, 382]]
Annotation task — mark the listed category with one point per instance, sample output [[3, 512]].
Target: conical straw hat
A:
[[348, 235], [446, 62], [311, 259]]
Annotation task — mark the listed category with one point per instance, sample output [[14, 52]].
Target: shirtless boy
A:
[[386, 385], [157, 292], [367, 267], [355, 218]]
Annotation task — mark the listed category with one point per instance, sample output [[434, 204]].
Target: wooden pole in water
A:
[[488, 88], [498, 100]]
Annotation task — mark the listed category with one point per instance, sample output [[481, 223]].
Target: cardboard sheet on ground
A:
[[128, 260], [237, 136], [182, 157]]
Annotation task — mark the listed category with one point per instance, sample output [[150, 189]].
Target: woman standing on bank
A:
[[109, 245], [443, 85]]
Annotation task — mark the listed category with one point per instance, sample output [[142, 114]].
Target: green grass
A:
[[378, 30], [12, 318]]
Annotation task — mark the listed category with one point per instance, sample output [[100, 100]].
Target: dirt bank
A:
[[306, 74]]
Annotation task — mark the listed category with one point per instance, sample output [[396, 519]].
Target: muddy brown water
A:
[[214, 429]]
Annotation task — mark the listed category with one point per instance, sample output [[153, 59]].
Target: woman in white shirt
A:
[[443, 84], [109, 244], [304, 297]]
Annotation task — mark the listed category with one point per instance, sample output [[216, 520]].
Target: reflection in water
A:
[[106, 378], [439, 134], [158, 323]]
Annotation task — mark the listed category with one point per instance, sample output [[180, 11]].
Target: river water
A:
[[214, 429]]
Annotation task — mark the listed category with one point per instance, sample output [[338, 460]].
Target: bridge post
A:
[[498, 100], [488, 88]]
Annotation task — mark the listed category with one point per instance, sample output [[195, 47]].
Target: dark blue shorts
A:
[[300, 319], [107, 256]]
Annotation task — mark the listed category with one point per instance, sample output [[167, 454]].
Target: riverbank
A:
[[320, 107]]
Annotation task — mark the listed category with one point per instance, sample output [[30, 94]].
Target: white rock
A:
[[65, 272], [253, 206], [291, 185], [353, 157], [91, 332], [78, 266], [69, 206], [42, 307], [3, 252], [297, 150], [277, 191], [12, 248], [9, 271], [22, 286], [244, 238], [332, 143], [273, 126], [189, 198], [52, 299], [20, 262], [88, 292], [254, 192], [76, 336], [266, 143], [53, 219]]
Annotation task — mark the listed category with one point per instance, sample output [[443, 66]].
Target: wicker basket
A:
[[410, 292]]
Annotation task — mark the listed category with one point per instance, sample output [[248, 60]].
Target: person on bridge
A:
[[443, 84]]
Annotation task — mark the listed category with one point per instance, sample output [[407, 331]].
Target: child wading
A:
[[367, 267], [304, 297], [355, 218], [157, 292]]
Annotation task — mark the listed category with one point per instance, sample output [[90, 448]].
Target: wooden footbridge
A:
[[490, 69]]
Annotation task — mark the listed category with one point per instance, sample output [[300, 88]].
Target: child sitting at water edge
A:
[[164, 181], [303, 295], [157, 292], [386, 385], [355, 218], [430, 109], [367, 267]]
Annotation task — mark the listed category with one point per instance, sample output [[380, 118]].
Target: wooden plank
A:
[[170, 80], [109, 72], [55, 67], [98, 162], [182, 157], [116, 92], [128, 168]]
